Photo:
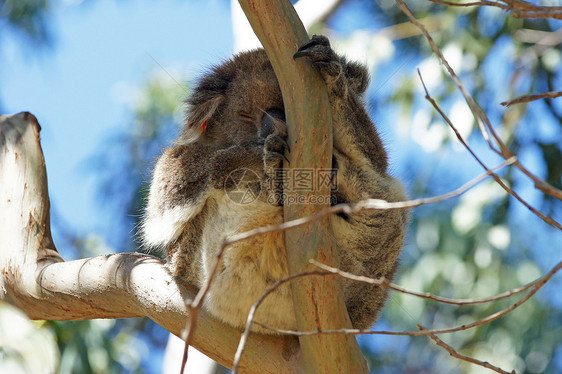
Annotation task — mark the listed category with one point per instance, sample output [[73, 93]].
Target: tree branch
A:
[[519, 8], [460, 356], [34, 277], [532, 97]]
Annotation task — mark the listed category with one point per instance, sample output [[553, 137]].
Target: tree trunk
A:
[[318, 300]]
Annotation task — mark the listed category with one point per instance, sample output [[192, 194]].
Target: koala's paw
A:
[[273, 156], [274, 149], [319, 52], [274, 153]]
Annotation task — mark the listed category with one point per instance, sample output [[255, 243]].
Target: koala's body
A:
[[235, 120]]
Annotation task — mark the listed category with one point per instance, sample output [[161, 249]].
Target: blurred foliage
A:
[[128, 157], [25, 346], [28, 18]]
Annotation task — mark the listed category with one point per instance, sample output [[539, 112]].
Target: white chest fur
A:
[[249, 267]]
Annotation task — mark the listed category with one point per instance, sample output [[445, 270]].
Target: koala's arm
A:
[[184, 178], [373, 237]]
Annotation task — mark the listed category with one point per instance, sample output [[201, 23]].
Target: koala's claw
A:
[[314, 48], [323, 57], [284, 142], [275, 143], [277, 155]]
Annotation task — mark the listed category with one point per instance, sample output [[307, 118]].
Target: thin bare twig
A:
[[537, 286], [189, 332], [363, 204], [366, 204], [381, 204], [527, 98], [252, 312], [475, 109], [486, 128], [196, 304], [456, 354], [543, 14], [519, 8], [547, 219], [426, 295]]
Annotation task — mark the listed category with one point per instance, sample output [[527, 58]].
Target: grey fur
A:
[[190, 210]]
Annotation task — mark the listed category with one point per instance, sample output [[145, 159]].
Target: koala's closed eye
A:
[[246, 117]]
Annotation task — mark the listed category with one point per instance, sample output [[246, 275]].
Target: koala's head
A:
[[234, 102]]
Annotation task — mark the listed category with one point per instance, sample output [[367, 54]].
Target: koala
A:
[[234, 140]]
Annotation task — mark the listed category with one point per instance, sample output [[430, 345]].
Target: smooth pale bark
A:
[[309, 11], [34, 277], [318, 300]]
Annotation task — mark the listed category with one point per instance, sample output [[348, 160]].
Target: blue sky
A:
[[73, 88]]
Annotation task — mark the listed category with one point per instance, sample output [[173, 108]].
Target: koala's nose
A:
[[273, 121]]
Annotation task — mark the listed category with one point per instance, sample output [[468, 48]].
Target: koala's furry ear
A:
[[357, 76], [197, 117]]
